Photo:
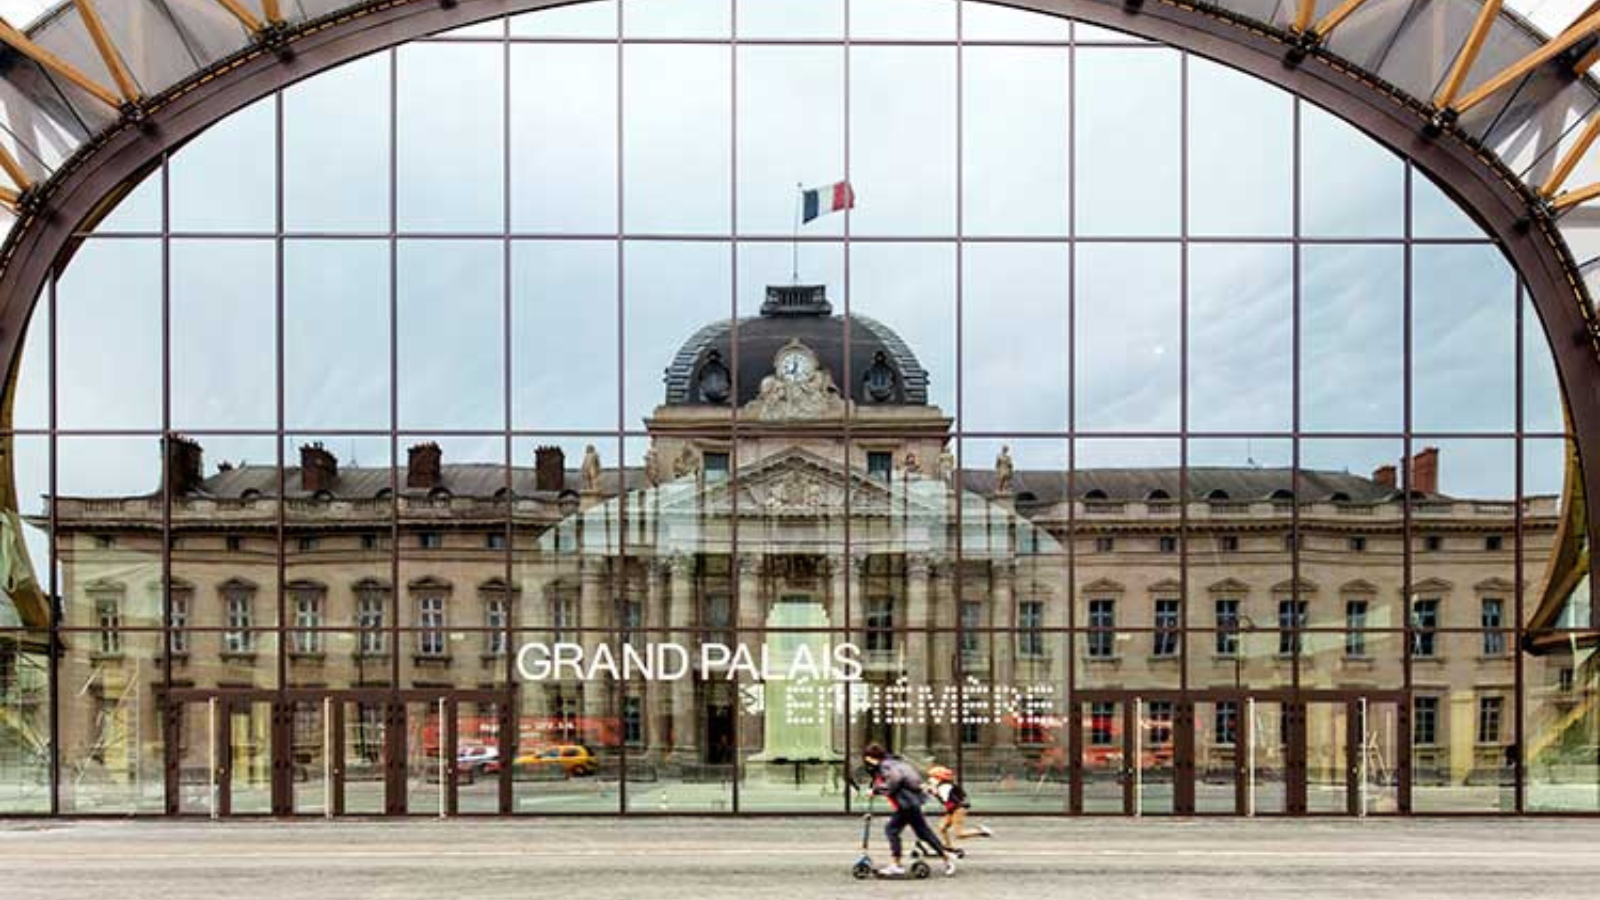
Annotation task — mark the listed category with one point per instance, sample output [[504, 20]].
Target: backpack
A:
[[958, 797]]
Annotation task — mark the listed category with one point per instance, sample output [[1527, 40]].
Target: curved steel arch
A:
[[1506, 206]]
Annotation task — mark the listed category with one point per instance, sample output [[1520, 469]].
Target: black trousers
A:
[[910, 815]]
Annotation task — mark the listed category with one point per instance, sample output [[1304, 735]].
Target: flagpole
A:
[[799, 199]]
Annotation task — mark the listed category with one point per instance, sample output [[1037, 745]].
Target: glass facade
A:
[[1139, 472]]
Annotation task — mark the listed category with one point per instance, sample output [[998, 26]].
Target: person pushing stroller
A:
[[898, 782], [953, 798]]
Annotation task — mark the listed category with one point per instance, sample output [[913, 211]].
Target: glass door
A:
[[193, 759], [1104, 783], [247, 773], [310, 745], [1154, 769], [1330, 732], [361, 771]]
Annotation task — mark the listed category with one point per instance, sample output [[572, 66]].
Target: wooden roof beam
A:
[[1468, 55], [1569, 199], [273, 10], [1552, 48], [14, 170], [20, 42], [1336, 16], [108, 50], [1570, 159], [243, 14], [1302, 16]]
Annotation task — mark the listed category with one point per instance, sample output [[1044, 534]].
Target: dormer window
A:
[[880, 380], [714, 383]]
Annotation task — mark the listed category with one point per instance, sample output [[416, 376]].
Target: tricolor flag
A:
[[834, 197]]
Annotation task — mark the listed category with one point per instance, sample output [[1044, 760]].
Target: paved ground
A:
[[773, 859]]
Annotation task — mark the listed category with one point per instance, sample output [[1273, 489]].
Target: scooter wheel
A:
[[920, 870], [861, 870]]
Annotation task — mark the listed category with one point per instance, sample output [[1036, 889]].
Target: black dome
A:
[[883, 370]]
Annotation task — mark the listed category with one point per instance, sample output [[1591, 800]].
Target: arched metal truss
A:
[[1503, 118]]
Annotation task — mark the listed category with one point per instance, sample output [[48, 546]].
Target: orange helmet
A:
[[941, 773]]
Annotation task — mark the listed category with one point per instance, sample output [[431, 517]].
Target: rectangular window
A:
[[108, 613], [971, 621], [1227, 626], [178, 641], [307, 616], [494, 619], [1102, 628], [1166, 633], [1102, 724], [234, 543], [1424, 721], [1228, 543], [563, 618], [716, 466], [1291, 618], [430, 540], [719, 611], [1358, 544], [1432, 543], [1491, 711], [1105, 544], [880, 464], [1493, 543], [880, 624], [631, 617], [1167, 544], [1030, 619], [1565, 680], [495, 540], [971, 733], [307, 544], [430, 619], [1227, 722], [369, 618], [239, 612], [1158, 722], [1355, 623], [1494, 619], [1425, 625], [633, 720], [369, 542]]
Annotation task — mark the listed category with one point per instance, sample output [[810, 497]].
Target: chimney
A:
[[1425, 471], [422, 466], [185, 465], [549, 469], [1384, 476], [319, 468]]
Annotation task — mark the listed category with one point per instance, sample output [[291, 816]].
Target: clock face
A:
[[795, 365]]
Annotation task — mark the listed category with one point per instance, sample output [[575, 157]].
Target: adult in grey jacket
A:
[[899, 782]]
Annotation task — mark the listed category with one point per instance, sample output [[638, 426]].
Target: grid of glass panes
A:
[[1324, 309]]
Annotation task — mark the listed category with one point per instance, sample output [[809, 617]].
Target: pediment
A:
[[1229, 586], [1495, 585], [1103, 586], [1296, 586], [1358, 586], [1167, 586], [1432, 586]]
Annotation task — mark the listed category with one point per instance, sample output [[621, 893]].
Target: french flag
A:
[[834, 197]]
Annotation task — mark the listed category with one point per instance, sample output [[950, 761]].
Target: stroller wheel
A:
[[920, 870], [861, 870]]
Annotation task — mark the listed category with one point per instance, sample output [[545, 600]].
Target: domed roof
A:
[[883, 370]]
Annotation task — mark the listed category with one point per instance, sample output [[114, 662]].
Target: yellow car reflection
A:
[[573, 760]]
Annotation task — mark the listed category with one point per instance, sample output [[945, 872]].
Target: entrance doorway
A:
[[338, 753], [1239, 753]]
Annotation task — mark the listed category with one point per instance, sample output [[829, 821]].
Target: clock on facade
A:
[[795, 363]]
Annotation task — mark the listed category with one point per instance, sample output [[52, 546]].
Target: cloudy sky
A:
[[682, 131]]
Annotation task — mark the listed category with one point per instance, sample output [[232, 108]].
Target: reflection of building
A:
[[1141, 581]]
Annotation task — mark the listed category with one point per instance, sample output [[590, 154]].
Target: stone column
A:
[[943, 647], [655, 614], [750, 610], [685, 743], [918, 569], [594, 611], [1002, 615]]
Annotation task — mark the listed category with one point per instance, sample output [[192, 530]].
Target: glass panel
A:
[[1104, 769], [564, 334], [791, 19], [427, 772], [25, 484], [30, 401], [111, 750], [478, 756], [224, 559], [249, 777], [564, 142], [1266, 762], [1231, 113], [911, 288], [1378, 757], [1543, 406], [450, 119], [25, 699], [671, 291], [223, 308], [597, 19], [108, 336], [676, 179], [366, 757], [1350, 186], [791, 134], [108, 551], [1241, 337], [226, 178], [1463, 335], [1327, 757], [1155, 750], [1435, 215], [1561, 711], [451, 334], [1219, 750], [792, 753], [336, 324], [911, 20], [1128, 124], [1462, 736], [1014, 180], [198, 757], [1352, 338], [336, 176], [230, 658], [902, 107], [1015, 332], [676, 18], [1129, 361]]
